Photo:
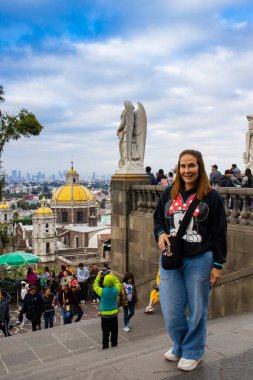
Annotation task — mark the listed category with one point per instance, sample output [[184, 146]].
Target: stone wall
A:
[[134, 248]]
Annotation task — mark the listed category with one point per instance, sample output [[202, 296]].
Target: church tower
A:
[[6, 215], [44, 233], [72, 177], [5, 212], [73, 203]]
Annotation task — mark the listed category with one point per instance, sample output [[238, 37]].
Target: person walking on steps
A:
[[132, 298]]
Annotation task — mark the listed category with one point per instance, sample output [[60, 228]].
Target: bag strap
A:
[[187, 217]]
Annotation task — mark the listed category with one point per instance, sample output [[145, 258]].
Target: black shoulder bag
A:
[[172, 257]]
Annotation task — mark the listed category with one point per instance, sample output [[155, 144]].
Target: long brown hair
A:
[[203, 185]]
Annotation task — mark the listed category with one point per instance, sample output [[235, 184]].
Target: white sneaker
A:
[[170, 356], [188, 364], [149, 309], [94, 301], [126, 329], [97, 299]]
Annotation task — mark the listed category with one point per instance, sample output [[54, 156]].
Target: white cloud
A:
[[193, 80]]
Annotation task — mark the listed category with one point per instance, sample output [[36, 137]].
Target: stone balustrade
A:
[[238, 202]]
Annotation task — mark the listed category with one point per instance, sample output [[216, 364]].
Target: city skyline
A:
[[18, 175], [73, 65]]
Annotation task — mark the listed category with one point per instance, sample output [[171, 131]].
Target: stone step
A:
[[72, 352]]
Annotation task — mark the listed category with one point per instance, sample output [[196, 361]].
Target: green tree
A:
[[23, 205], [4, 235], [24, 124]]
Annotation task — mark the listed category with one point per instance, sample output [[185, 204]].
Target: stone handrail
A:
[[238, 202]]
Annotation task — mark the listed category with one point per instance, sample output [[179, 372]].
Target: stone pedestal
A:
[[121, 208]]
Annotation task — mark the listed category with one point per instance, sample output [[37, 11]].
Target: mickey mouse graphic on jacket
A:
[[175, 211]]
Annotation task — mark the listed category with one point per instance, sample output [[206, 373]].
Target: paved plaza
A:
[[90, 311], [72, 352]]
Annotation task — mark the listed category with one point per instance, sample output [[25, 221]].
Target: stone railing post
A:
[[121, 206], [245, 213], [227, 209], [235, 212]]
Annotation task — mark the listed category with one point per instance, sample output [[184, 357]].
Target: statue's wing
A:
[[140, 129], [129, 127]]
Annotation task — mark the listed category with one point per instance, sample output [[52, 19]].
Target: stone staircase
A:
[[73, 352]]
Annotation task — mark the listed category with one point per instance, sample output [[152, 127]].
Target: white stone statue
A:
[[132, 133], [248, 155]]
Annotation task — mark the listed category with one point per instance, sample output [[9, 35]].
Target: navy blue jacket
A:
[[33, 304], [4, 310]]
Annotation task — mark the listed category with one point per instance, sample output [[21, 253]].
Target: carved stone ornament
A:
[[248, 154], [132, 133]]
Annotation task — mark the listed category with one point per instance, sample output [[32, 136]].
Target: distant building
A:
[[44, 234], [72, 202], [69, 228]]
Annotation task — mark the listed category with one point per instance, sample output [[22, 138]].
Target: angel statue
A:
[[132, 133], [248, 155]]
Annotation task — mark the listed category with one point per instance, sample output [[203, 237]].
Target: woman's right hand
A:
[[163, 240]]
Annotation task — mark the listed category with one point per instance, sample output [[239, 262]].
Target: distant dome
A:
[[43, 211], [4, 206], [72, 171], [72, 193]]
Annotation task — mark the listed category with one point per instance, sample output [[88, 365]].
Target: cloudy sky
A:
[[73, 63]]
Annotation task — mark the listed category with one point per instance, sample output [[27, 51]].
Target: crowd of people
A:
[[40, 294], [231, 178]]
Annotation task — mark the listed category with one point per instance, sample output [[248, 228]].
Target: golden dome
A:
[[4, 206], [75, 193], [72, 171], [43, 211]]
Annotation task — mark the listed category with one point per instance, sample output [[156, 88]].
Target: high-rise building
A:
[[14, 175]]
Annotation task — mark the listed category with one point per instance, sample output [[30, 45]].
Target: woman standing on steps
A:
[[204, 252]]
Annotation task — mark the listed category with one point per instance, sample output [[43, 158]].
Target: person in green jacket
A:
[[108, 307]]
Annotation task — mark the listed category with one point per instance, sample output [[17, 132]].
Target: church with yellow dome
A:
[[6, 214], [65, 228], [73, 203], [44, 234]]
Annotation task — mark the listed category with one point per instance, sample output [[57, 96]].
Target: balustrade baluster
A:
[[235, 212], [144, 200], [133, 198], [245, 213], [156, 199], [226, 206], [150, 201], [250, 219], [139, 200]]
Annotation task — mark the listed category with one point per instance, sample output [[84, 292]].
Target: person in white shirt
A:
[[23, 292], [83, 275]]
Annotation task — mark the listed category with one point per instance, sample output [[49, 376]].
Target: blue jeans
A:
[[128, 316], [67, 316], [49, 318], [179, 288]]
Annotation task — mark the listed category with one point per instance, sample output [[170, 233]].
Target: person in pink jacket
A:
[[31, 277]]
